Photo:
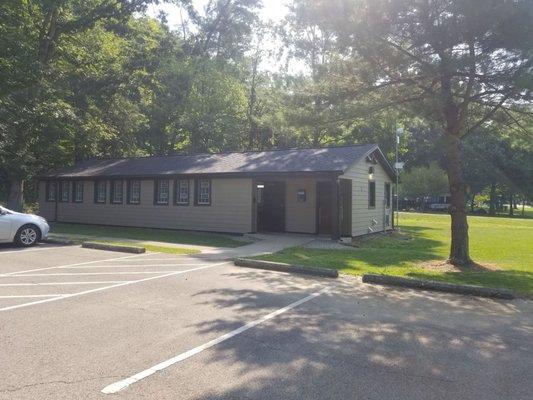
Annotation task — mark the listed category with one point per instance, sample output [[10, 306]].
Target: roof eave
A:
[[191, 174], [385, 163]]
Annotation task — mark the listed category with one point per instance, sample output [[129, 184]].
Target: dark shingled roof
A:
[[328, 159]]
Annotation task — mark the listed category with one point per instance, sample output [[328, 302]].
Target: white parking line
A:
[[110, 287], [71, 265], [59, 283], [162, 259], [31, 250], [92, 273], [134, 266], [31, 296], [120, 385]]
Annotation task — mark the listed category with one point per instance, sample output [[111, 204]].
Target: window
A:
[[64, 191], [134, 192], [100, 194], [387, 195], [371, 194], [161, 192], [77, 196], [116, 192], [182, 192], [203, 192], [301, 196], [51, 189]]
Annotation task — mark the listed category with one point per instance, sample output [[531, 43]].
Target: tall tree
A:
[[461, 63], [31, 32], [309, 42]]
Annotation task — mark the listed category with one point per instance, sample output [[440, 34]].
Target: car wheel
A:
[[28, 235]]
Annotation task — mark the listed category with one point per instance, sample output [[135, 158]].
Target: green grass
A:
[[151, 247], [157, 235], [505, 243]]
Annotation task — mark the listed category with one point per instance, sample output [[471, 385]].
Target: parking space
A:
[[28, 279], [79, 323]]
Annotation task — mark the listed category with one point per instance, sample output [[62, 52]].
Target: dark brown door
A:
[[272, 217], [323, 203], [346, 206]]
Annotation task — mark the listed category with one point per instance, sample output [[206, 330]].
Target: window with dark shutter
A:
[[64, 191], [371, 194], [100, 188], [203, 192], [134, 192], [161, 192], [51, 190], [117, 195], [77, 196], [182, 192]]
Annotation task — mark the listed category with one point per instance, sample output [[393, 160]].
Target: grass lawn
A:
[[157, 235], [505, 243], [151, 247]]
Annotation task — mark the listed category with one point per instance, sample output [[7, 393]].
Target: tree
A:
[[423, 182], [308, 41], [31, 110], [461, 63]]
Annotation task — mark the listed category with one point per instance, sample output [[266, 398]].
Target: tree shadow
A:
[[383, 251], [520, 282], [361, 341]]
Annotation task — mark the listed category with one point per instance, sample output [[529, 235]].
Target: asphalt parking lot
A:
[[90, 324]]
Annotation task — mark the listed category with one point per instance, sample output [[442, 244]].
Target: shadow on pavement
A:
[[366, 342]]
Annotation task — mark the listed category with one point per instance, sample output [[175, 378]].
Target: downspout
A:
[[384, 202]]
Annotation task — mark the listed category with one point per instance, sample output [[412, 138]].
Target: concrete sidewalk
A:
[[257, 244], [264, 244]]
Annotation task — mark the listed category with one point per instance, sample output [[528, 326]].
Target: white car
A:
[[23, 229]]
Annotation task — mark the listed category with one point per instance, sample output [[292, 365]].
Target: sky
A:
[[273, 11]]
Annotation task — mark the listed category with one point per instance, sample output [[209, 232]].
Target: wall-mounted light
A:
[[371, 173], [260, 186]]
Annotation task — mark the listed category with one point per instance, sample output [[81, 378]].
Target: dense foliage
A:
[[99, 78]]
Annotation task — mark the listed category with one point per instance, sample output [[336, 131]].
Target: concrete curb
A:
[[275, 266], [113, 247], [438, 286]]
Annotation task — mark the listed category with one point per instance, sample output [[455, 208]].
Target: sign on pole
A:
[[399, 165]]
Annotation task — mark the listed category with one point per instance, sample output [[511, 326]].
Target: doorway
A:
[[271, 206], [323, 207]]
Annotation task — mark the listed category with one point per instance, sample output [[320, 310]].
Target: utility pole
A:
[[398, 166]]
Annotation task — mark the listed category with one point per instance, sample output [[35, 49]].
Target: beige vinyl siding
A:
[[230, 209], [362, 216], [300, 216]]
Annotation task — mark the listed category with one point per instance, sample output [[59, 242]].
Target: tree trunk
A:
[[492, 206], [472, 203], [511, 210], [15, 196], [459, 250], [252, 126]]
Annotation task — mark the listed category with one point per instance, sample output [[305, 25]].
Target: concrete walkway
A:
[[263, 244], [255, 244]]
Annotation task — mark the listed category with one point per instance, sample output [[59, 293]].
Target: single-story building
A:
[[338, 191]]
